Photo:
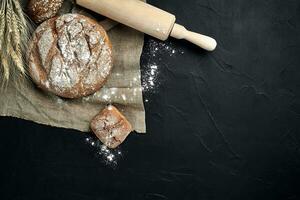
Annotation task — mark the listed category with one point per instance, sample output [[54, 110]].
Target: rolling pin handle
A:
[[203, 41]]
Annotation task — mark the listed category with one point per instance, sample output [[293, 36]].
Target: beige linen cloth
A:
[[122, 89]]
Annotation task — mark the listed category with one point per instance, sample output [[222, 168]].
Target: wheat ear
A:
[[15, 31], [4, 61], [20, 12], [9, 33], [16, 53], [2, 24]]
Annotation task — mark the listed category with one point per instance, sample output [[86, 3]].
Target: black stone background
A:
[[222, 125]]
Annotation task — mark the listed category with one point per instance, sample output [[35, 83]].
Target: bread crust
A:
[[41, 10], [111, 126], [70, 56]]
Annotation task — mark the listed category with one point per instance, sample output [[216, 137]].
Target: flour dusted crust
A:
[[70, 56], [41, 10], [111, 127]]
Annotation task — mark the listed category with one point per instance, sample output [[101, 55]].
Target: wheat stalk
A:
[[14, 34], [5, 66]]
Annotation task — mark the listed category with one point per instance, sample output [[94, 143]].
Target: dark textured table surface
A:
[[221, 125]]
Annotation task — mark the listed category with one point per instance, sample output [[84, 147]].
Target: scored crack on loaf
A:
[[70, 56]]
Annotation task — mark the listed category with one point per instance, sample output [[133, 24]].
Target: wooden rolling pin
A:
[[147, 19]]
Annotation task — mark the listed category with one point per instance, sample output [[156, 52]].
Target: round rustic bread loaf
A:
[[41, 10], [70, 56]]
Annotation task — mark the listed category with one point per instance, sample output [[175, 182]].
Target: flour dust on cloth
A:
[[123, 89]]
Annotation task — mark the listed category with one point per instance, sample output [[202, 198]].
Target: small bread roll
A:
[[70, 56], [41, 10], [111, 127]]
